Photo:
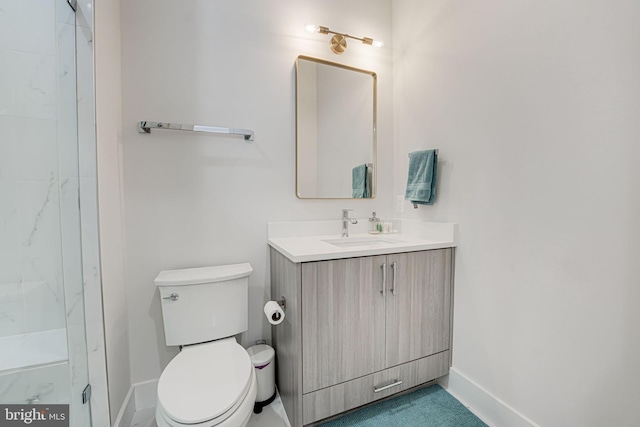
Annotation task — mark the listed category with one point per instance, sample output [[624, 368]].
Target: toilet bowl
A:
[[206, 385], [211, 382]]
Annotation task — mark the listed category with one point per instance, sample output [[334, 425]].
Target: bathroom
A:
[[532, 107]]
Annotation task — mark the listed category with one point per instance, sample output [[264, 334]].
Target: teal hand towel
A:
[[359, 184], [423, 173]]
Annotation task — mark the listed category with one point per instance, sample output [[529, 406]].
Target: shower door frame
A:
[[87, 157]]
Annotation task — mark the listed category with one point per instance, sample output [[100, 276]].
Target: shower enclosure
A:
[[50, 307]]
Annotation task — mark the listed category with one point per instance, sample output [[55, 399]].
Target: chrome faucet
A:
[[345, 222]]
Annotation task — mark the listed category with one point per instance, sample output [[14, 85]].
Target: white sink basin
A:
[[373, 241]]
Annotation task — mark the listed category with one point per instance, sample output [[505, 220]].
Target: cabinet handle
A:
[[394, 384], [384, 278], [393, 284]]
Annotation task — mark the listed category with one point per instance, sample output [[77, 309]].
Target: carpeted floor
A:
[[429, 407]]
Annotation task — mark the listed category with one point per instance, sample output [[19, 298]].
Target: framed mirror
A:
[[335, 130]]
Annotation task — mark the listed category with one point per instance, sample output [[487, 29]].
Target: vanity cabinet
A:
[[360, 329], [343, 321]]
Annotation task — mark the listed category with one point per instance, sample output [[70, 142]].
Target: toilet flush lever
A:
[[172, 297]]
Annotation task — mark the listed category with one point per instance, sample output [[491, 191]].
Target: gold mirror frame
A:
[[374, 142]]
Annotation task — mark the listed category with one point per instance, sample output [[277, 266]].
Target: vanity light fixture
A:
[[338, 43]]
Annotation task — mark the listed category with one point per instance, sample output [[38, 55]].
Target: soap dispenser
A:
[[375, 225]]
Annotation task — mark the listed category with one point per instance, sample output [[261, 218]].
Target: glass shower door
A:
[[43, 349]]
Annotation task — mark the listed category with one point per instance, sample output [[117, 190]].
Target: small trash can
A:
[[262, 358]]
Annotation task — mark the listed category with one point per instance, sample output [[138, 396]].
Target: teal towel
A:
[[360, 185], [423, 173]]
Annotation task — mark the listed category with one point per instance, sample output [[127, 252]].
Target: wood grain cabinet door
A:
[[343, 320], [418, 304]]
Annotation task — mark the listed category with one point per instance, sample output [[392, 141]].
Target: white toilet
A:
[[211, 382]]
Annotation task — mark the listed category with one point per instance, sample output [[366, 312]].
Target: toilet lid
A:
[[204, 381]]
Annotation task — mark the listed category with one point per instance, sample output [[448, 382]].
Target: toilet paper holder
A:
[[275, 311]]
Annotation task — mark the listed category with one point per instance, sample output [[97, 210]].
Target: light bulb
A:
[[312, 28], [378, 43]]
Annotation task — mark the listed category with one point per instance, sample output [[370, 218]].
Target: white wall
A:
[[109, 154], [195, 200], [534, 106]]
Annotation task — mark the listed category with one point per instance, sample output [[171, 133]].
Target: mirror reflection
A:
[[336, 130]]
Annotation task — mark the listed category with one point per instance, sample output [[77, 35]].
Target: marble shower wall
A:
[[37, 128], [44, 269], [38, 162]]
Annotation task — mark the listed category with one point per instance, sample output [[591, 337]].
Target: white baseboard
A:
[[140, 396], [486, 406], [127, 410], [146, 394]]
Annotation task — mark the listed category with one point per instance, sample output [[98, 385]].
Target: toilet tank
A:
[[204, 304]]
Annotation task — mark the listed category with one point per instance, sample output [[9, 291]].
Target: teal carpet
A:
[[429, 407]]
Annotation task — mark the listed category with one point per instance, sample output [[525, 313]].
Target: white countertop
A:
[[415, 236]]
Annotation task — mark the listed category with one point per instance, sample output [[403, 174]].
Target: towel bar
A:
[[437, 152], [145, 127]]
